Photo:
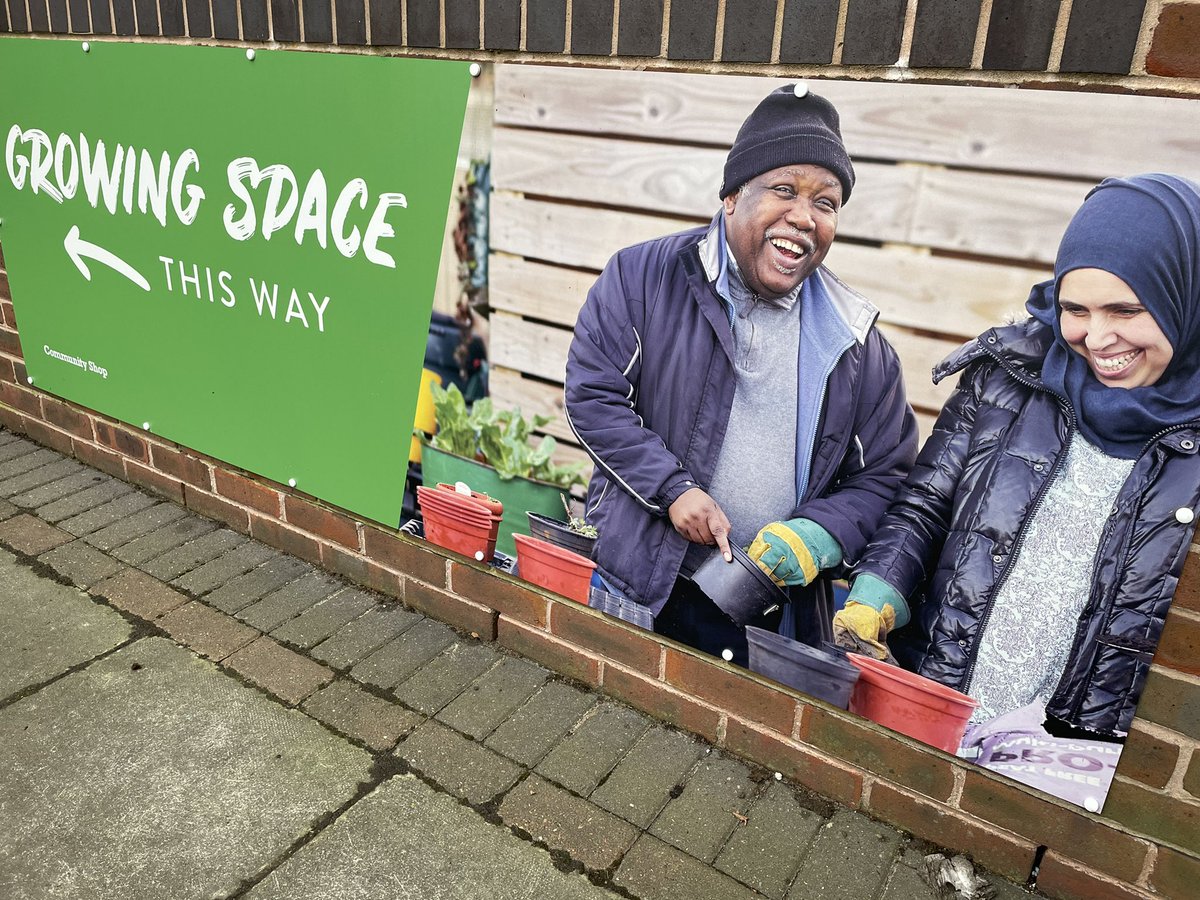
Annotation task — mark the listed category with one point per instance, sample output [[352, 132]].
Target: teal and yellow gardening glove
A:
[[793, 552], [872, 610]]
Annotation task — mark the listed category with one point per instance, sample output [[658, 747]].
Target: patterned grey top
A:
[[1024, 646]]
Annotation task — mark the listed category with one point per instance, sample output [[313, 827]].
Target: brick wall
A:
[[1146, 844], [1139, 45]]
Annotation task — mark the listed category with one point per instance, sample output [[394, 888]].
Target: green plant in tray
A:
[[502, 437]]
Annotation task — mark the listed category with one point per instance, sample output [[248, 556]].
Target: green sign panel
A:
[[235, 251]]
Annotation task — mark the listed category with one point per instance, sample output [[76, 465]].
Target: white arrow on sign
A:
[[77, 248]]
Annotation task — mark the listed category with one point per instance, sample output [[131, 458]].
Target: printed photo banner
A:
[[234, 250]]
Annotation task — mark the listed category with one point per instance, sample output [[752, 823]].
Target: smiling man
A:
[[731, 390]]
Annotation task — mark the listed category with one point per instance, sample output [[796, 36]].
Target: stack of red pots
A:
[[466, 523]]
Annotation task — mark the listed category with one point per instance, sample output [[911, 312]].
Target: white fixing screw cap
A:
[[87, 48], [475, 69], [29, 379], [145, 426], [291, 482], [250, 55], [800, 89], [479, 555], [727, 655]]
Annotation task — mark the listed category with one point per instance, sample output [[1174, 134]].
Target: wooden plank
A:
[[981, 127], [935, 293], [573, 235], [537, 290], [996, 215], [509, 389], [541, 350], [954, 296], [681, 181]]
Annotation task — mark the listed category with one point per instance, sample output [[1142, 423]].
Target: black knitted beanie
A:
[[791, 126]]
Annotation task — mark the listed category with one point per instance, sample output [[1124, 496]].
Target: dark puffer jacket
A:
[[956, 526]]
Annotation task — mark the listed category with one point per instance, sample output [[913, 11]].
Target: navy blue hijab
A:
[[1146, 231]]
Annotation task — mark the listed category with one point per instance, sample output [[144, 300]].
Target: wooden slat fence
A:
[[961, 197]]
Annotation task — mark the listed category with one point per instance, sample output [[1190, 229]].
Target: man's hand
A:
[[697, 517]]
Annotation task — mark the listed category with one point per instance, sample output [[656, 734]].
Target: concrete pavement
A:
[[186, 713]]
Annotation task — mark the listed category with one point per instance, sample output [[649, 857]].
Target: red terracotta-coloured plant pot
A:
[[493, 505], [554, 568], [910, 704], [458, 523]]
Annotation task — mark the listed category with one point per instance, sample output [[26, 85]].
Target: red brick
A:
[[1171, 819], [8, 369], [285, 538], [1003, 852], [123, 441], [866, 745], [10, 343], [1176, 37], [1191, 778], [215, 507], [405, 554], [98, 458], [1175, 874], [183, 466], [322, 522], [1179, 646], [1062, 877], [241, 489], [1187, 594], [1054, 823], [731, 689], [155, 481], [612, 638], [10, 317], [1171, 700], [548, 650], [5, 290], [20, 374], [662, 701], [1147, 759], [67, 418], [503, 593], [828, 777], [11, 419], [451, 609], [22, 398], [47, 436], [361, 570]]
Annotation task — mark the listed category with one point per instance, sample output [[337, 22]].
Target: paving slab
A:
[[7, 510], [105, 490], [399, 658], [643, 781], [653, 870], [229, 565], [138, 593], [148, 775], [245, 589], [56, 490], [351, 710], [143, 549], [273, 667], [131, 525], [700, 819], [541, 723], [48, 629], [15, 447], [27, 462], [290, 600], [53, 471], [364, 635], [81, 563], [562, 821], [319, 622], [207, 631], [29, 534], [766, 851], [446, 676], [173, 563], [590, 752], [462, 767], [849, 859], [107, 513], [407, 841], [495, 696]]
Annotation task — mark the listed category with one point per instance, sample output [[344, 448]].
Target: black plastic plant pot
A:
[[740, 588], [822, 673], [560, 534]]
